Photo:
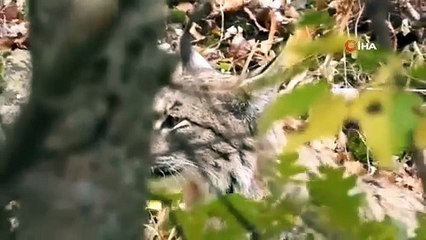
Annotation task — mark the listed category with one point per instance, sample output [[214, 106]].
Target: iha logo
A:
[[352, 46]]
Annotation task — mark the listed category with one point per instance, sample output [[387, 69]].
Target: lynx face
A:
[[204, 134]]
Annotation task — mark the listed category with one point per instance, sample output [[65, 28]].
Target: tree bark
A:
[[77, 155]]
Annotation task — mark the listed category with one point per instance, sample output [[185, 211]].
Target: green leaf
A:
[[418, 72], [227, 232], [421, 227], [372, 111], [278, 217], [420, 134], [315, 18], [332, 43], [288, 167], [269, 220], [387, 119], [225, 65], [251, 211], [177, 16], [404, 118], [331, 192], [192, 223], [358, 148], [325, 120], [369, 61], [295, 103], [375, 230]]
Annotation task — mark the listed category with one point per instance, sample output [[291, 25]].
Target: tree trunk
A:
[[77, 155]]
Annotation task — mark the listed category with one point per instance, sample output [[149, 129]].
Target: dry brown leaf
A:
[[162, 220], [408, 178], [185, 7], [229, 5], [254, 18], [343, 156], [354, 168], [415, 184], [263, 17], [321, 5], [345, 11], [6, 43], [267, 45], [11, 12], [239, 46], [291, 12], [22, 42], [292, 124], [197, 36]]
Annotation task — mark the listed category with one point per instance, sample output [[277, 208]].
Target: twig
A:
[[361, 11], [244, 72], [222, 25]]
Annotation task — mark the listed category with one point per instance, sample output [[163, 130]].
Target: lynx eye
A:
[[170, 122]]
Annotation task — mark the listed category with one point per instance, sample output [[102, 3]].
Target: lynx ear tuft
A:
[[191, 59]]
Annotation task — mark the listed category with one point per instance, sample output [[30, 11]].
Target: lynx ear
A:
[[196, 62], [195, 71], [191, 59]]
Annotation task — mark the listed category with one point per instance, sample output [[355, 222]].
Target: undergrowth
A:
[[391, 121]]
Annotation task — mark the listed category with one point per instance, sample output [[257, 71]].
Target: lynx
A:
[[207, 133]]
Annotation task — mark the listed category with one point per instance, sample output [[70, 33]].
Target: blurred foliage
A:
[[390, 120], [176, 16], [358, 148]]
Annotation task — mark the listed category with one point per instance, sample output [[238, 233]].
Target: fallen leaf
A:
[[197, 36], [291, 12], [229, 5], [321, 5], [239, 48], [185, 7], [343, 157], [272, 30], [22, 42], [6, 43], [291, 124], [354, 168], [254, 18], [163, 218], [11, 12]]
